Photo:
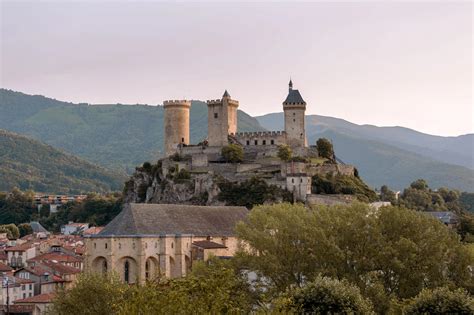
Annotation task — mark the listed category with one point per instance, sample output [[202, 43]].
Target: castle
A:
[[222, 124], [260, 148]]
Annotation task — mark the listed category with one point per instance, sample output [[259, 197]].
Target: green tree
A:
[[254, 191], [325, 149], [45, 211], [92, 294], [395, 252], [419, 184], [284, 152], [25, 229], [11, 229], [387, 195], [326, 296], [441, 301], [233, 153]]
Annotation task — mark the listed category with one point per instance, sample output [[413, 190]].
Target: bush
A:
[[325, 149], [441, 301], [284, 152], [182, 175], [343, 184], [233, 153], [326, 296]]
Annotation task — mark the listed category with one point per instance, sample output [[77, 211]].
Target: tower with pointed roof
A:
[[294, 108], [221, 120]]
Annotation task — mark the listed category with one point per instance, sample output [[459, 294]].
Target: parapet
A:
[[219, 102], [259, 134], [177, 103]]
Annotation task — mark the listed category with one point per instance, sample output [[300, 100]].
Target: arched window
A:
[[126, 271], [104, 266], [147, 270], [13, 261]]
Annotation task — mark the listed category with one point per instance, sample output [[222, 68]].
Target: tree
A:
[[254, 191], [394, 252], [441, 301], [325, 149], [419, 184], [233, 153], [326, 296], [387, 195], [92, 294], [45, 211], [25, 229], [11, 229], [284, 152]]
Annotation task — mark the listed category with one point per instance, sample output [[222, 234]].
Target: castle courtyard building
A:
[[147, 240]]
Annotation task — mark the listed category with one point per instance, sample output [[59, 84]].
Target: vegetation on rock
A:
[[343, 184], [325, 149], [233, 153], [284, 152]]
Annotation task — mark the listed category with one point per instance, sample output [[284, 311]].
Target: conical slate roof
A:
[[140, 219], [294, 96], [226, 94]]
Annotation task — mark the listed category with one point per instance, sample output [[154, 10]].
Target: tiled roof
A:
[[20, 248], [60, 268], [40, 298], [162, 219], [208, 244], [4, 268], [59, 256]]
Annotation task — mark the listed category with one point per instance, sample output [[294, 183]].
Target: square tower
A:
[[221, 120], [294, 108]]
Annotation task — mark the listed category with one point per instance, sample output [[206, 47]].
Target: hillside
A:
[[380, 161], [29, 164], [452, 150], [114, 136]]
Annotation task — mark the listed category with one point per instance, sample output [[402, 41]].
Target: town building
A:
[[147, 240]]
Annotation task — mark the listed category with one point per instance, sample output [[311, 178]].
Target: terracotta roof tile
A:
[[208, 244], [40, 298]]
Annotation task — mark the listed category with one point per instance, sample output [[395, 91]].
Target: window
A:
[[120, 245], [126, 271], [294, 120], [301, 180], [147, 270], [248, 142], [182, 140], [105, 245], [30, 295], [24, 295], [146, 245], [292, 180], [95, 245], [172, 245], [156, 245], [272, 142], [264, 142], [23, 287], [215, 115], [294, 114], [256, 142], [104, 266]]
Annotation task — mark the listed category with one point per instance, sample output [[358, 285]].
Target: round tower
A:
[[294, 108], [176, 123]]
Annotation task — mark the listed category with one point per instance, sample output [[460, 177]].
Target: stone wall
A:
[[176, 124], [260, 138], [329, 200]]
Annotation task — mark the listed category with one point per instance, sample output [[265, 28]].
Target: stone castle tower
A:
[[176, 122], [221, 120], [294, 108]]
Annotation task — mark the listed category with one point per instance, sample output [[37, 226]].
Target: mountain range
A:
[[120, 137], [30, 164]]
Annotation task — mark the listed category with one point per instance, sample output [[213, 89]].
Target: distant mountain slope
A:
[[452, 150], [29, 164], [116, 136], [380, 162]]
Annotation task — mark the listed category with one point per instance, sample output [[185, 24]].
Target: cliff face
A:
[[152, 186]]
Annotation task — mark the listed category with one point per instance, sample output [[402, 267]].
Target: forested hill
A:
[[29, 164], [115, 136]]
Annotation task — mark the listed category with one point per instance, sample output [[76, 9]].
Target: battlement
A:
[[258, 134], [294, 103], [219, 102], [177, 103]]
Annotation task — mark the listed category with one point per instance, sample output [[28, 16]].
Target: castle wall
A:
[[176, 124], [261, 138], [329, 200]]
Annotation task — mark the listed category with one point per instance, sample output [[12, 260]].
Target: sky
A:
[[386, 63]]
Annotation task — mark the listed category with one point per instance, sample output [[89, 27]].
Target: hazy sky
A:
[[384, 63]]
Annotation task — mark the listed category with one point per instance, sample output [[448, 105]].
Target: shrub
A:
[[233, 153], [441, 301], [284, 152], [325, 149], [326, 296]]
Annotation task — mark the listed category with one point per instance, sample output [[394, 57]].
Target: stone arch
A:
[[100, 265], [128, 269], [152, 268]]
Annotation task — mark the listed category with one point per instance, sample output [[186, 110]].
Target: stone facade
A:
[[149, 240], [176, 124]]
